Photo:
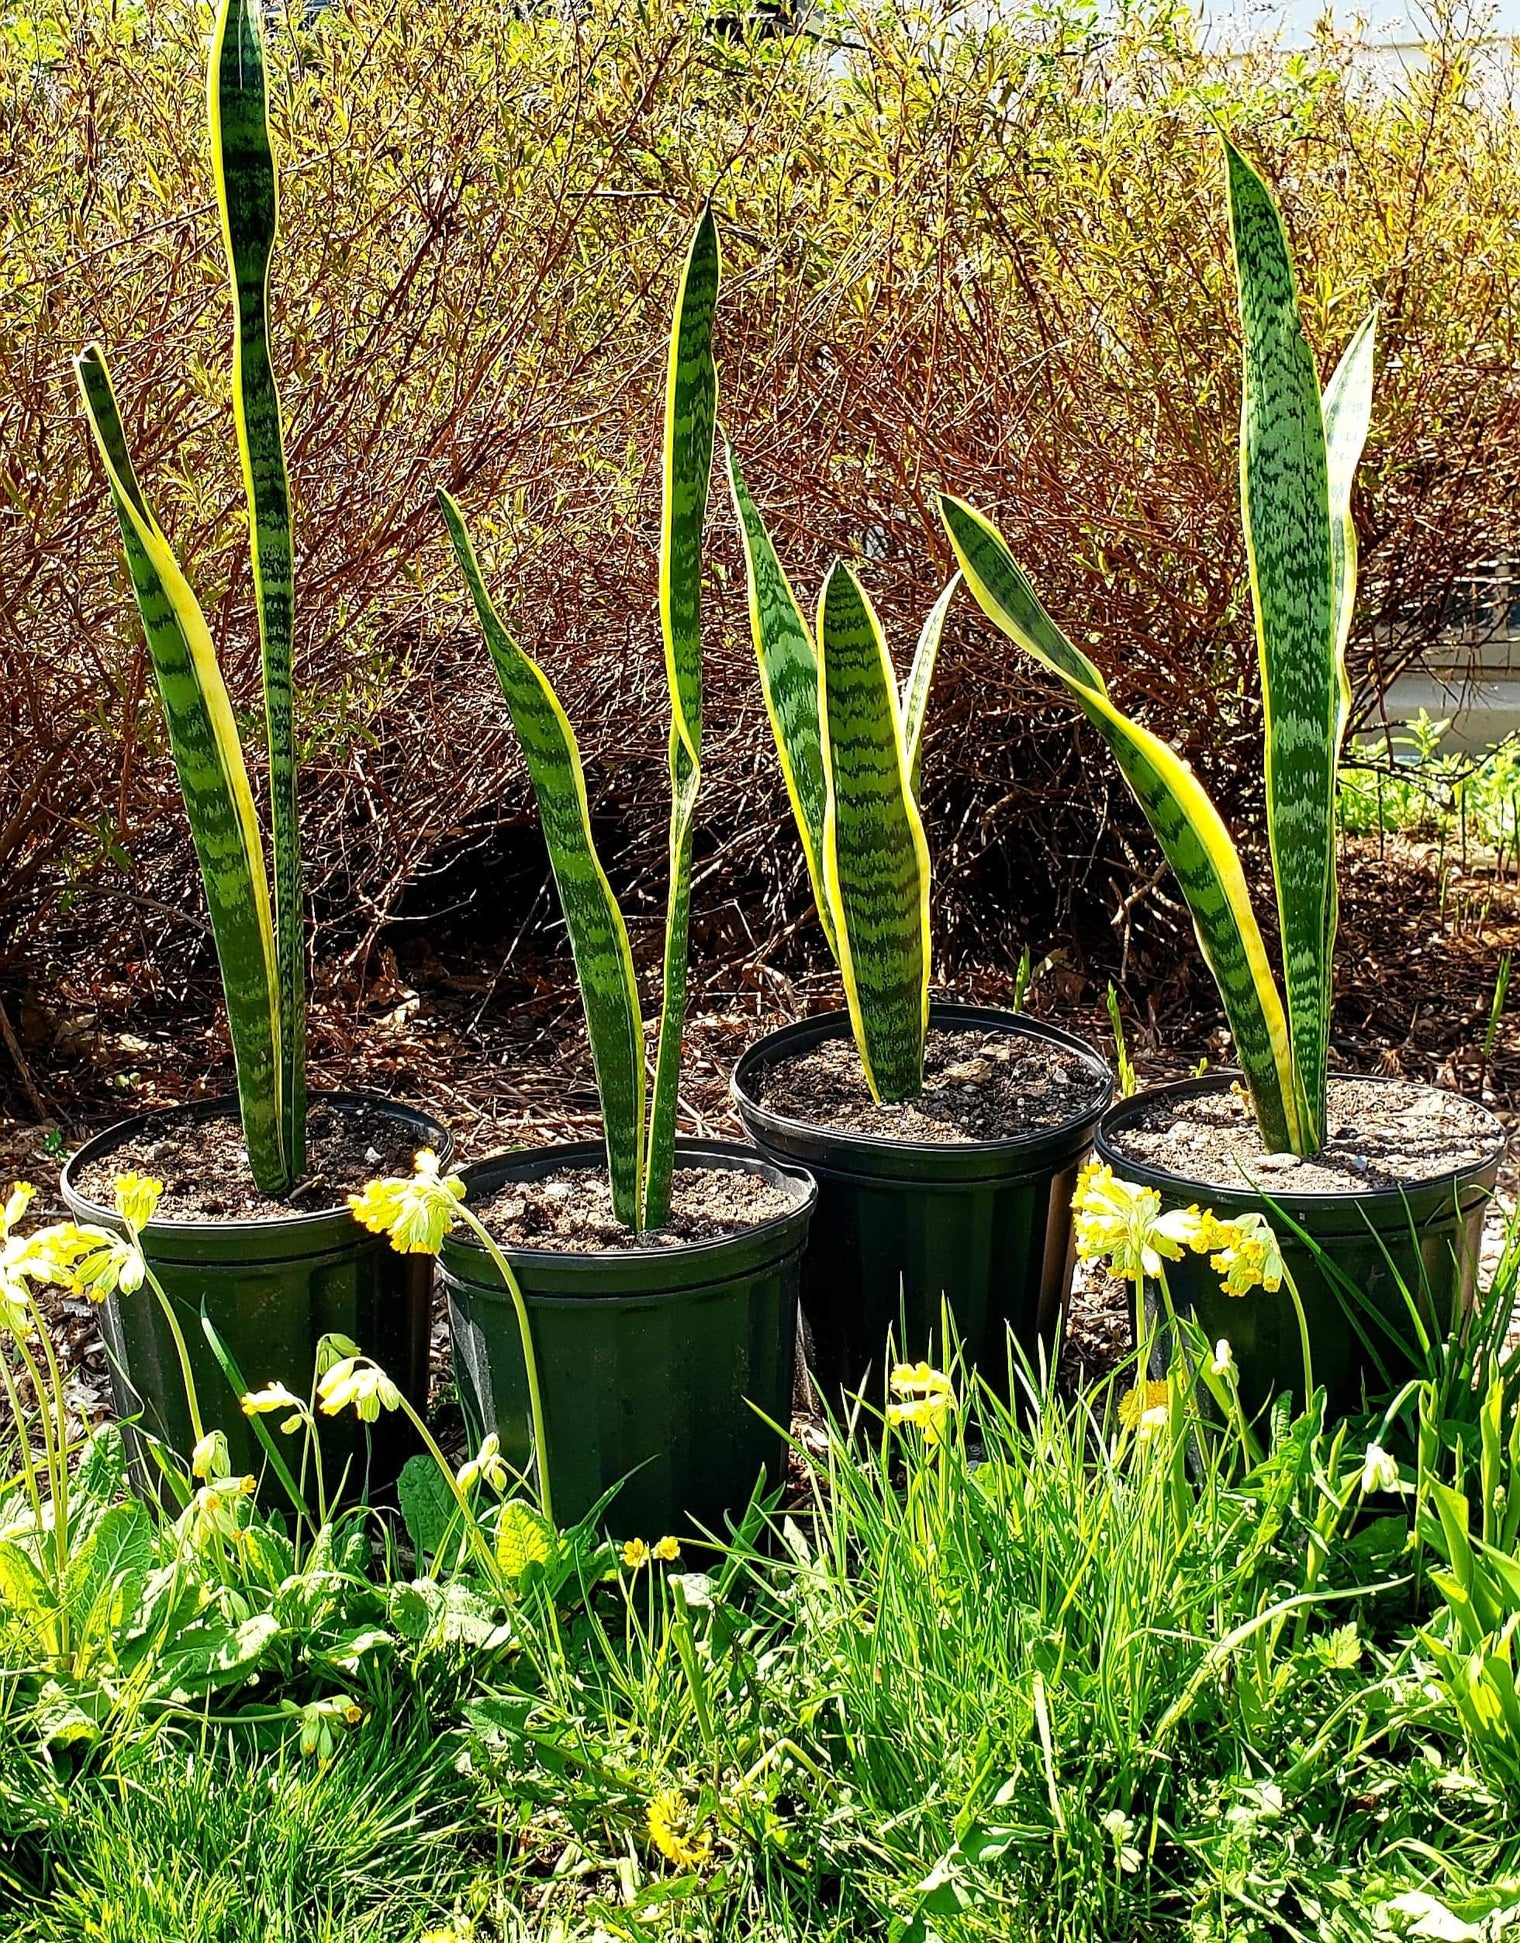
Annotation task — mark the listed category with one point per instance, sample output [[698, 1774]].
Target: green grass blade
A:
[[1347, 409], [1285, 498], [1192, 836], [875, 859], [238, 1384], [789, 682], [598, 936], [243, 163], [691, 405], [213, 777], [915, 695]]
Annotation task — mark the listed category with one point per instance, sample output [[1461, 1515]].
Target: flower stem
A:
[[182, 1348], [530, 1361]]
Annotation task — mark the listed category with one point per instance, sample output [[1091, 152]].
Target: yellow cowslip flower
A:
[[1380, 1470], [1123, 1225], [319, 1721], [920, 1380], [211, 1457], [676, 1832], [24, 1259], [416, 1214], [217, 1504], [487, 1463], [668, 1549], [927, 1414], [1143, 1401], [103, 1263], [137, 1195], [636, 1554], [924, 1396], [357, 1381], [275, 1396], [1243, 1253]]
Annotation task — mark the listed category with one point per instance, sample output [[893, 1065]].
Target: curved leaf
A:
[[875, 859], [1347, 406], [915, 695], [243, 164], [1192, 836], [598, 936], [789, 683], [214, 780]]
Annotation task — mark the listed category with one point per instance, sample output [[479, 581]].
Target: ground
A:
[[494, 1045]]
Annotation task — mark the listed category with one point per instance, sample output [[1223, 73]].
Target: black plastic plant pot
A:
[[984, 1226], [273, 1289], [665, 1367], [1386, 1248]]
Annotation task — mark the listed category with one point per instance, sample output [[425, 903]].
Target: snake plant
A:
[[849, 746], [1298, 454], [639, 1132], [258, 927]]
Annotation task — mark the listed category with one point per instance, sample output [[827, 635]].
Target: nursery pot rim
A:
[[802, 1033], [1307, 1202], [226, 1106], [729, 1156]]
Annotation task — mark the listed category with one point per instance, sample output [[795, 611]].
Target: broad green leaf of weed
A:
[[523, 1539]]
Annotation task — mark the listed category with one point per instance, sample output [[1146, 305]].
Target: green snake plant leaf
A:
[[1188, 828], [915, 694], [691, 403], [598, 936], [875, 859], [1285, 500], [247, 195], [214, 779], [789, 683]]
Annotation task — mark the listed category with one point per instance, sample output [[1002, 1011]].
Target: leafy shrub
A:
[[968, 258]]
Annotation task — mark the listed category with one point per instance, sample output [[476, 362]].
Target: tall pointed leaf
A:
[[1188, 828], [691, 403], [1348, 413], [915, 695], [789, 683], [243, 162], [1347, 408], [218, 801], [598, 936], [875, 859], [1285, 499]]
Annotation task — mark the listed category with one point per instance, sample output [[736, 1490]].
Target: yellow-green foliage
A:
[[992, 261]]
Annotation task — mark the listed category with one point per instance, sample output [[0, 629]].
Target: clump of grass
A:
[[1042, 1672], [206, 1839]]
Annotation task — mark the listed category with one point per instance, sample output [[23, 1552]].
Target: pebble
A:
[[970, 1072], [372, 1157], [1278, 1163], [557, 1190]]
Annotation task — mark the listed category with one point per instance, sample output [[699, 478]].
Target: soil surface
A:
[[978, 1085], [204, 1164], [570, 1211], [1383, 1133]]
